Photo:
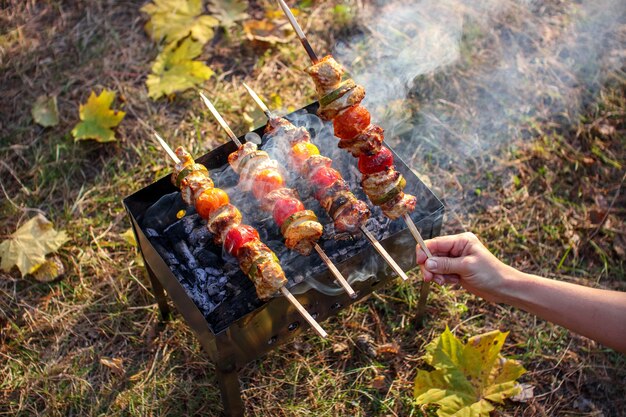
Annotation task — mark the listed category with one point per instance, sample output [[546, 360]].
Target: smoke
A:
[[463, 78]]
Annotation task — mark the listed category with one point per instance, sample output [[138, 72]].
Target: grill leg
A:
[[231, 394], [159, 294], [420, 317]]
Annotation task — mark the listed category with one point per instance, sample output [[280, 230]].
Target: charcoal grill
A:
[[233, 344]]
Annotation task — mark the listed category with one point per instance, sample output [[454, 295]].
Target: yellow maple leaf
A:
[[175, 70], [28, 246], [467, 377], [98, 118], [173, 20]]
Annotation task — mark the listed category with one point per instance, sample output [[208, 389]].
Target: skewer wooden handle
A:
[[416, 234], [348, 289], [379, 248], [303, 312]]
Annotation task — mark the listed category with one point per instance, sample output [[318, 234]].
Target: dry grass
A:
[[550, 201]]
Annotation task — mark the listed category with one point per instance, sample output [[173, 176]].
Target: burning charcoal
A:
[[200, 275], [200, 235], [214, 272], [185, 254], [205, 257], [213, 289], [182, 228], [167, 256]]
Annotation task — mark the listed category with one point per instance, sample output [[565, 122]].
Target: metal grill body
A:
[[276, 321]]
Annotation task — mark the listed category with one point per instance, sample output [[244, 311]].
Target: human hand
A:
[[463, 259]]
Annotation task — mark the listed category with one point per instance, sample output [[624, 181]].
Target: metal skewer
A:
[[303, 40], [299, 32], [293, 300], [331, 266], [379, 248]]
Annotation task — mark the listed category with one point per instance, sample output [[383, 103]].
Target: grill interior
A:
[[220, 303]]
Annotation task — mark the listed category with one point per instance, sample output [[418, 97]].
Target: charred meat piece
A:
[[368, 142], [327, 74], [351, 216], [281, 127], [235, 158], [260, 264], [314, 162], [220, 222], [381, 182], [398, 206], [270, 199], [193, 185], [349, 99], [302, 231]]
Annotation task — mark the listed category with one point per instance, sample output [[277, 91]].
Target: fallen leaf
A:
[[97, 118], [50, 270], [129, 236], [229, 11], [28, 246], [45, 111], [174, 69], [266, 32], [467, 377], [340, 347], [276, 13], [388, 349], [378, 383], [114, 364], [173, 20]]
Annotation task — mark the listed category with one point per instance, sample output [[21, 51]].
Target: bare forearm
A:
[[594, 313]]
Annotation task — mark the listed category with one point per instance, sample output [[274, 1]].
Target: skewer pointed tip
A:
[[166, 148], [219, 119], [258, 101]]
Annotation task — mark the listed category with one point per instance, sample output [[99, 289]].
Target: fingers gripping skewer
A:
[[331, 266], [305, 314], [379, 248]]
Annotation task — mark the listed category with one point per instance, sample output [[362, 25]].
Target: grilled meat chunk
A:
[[349, 99], [398, 206], [381, 182], [314, 162], [220, 222], [193, 185], [273, 196], [351, 216], [326, 74], [260, 264], [368, 142], [302, 231]]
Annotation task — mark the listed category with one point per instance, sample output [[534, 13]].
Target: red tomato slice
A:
[[238, 236], [284, 208], [351, 122], [376, 163]]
